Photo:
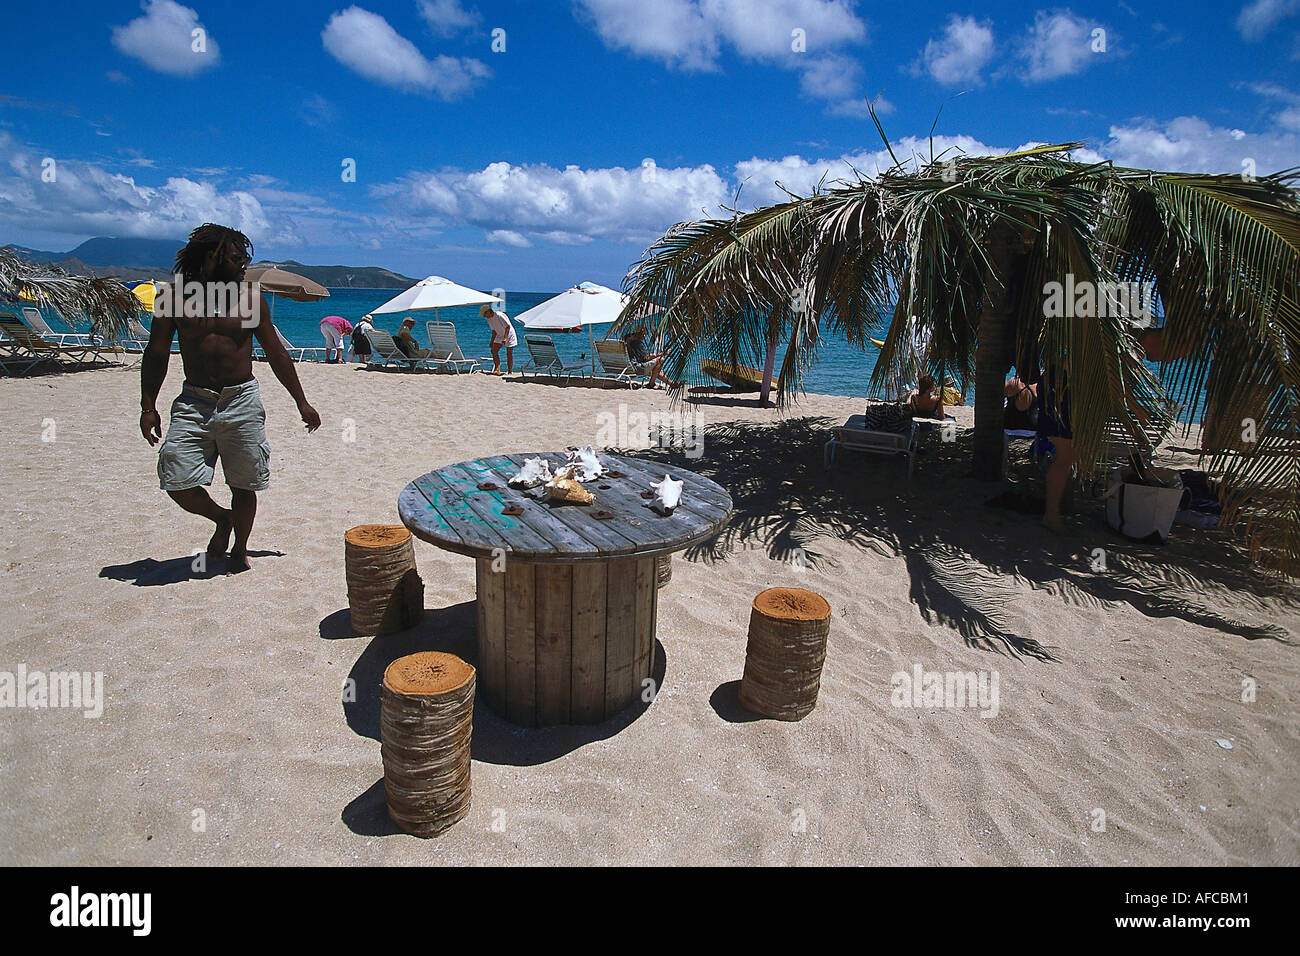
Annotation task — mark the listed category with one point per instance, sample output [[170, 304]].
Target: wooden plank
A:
[[423, 520], [643, 655], [491, 634], [608, 536], [703, 488], [627, 506], [448, 508], [554, 641], [587, 695], [620, 633], [564, 540], [521, 652], [487, 506]]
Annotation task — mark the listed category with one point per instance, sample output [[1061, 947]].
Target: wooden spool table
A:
[[566, 600]]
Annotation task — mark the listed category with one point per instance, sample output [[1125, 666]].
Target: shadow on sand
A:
[[495, 740], [965, 558], [148, 573]]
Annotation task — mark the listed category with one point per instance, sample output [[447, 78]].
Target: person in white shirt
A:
[[503, 333]]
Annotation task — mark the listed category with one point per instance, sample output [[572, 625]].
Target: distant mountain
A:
[[132, 259]]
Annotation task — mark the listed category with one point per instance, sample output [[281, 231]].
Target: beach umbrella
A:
[[288, 284], [435, 293], [587, 303], [146, 292]]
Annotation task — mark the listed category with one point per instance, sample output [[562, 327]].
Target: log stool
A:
[[663, 569], [427, 710], [385, 592], [785, 653]]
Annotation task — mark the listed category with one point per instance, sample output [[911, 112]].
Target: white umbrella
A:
[[434, 292], [585, 304]]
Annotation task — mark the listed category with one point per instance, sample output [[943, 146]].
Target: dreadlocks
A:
[[203, 240]]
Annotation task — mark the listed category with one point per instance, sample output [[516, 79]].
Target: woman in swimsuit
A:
[[922, 400]]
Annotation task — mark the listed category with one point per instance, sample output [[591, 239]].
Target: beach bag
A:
[[1142, 512], [889, 417]]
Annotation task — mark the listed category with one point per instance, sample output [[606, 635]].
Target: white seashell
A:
[[668, 495], [586, 464], [535, 471]]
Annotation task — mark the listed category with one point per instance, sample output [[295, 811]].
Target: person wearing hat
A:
[[503, 333], [407, 343], [360, 343], [652, 361]]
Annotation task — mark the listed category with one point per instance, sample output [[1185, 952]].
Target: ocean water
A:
[[840, 369]]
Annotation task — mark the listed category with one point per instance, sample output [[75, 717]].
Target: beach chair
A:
[[384, 351], [543, 359], [42, 328], [853, 435], [24, 349], [444, 350], [299, 353], [613, 358], [37, 323]]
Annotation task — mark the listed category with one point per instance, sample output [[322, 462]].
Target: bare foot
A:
[[221, 537], [1054, 525], [237, 563]]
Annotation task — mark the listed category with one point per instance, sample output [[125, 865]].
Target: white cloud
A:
[[508, 237], [1058, 44], [963, 51], [1190, 144], [540, 203], [446, 17], [86, 199], [1256, 19], [366, 44], [163, 39], [691, 35]]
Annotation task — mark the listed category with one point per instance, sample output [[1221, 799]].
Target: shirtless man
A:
[[218, 413]]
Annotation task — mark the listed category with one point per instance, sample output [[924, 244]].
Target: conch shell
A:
[[564, 487], [586, 464], [668, 495], [536, 471]]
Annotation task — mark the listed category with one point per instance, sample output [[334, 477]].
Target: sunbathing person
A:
[[636, 351], [407, 343], [925, 400]]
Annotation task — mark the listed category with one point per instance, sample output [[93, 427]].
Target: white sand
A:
[[223, 696]]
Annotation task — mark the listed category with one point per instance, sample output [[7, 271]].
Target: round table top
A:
[[447, 508]]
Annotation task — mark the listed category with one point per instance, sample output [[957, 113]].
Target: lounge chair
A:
[[24, 349], [444, 350], [299, 353], [853, 435], [613, 358], [384, 351], [543, 359], [42, 328]]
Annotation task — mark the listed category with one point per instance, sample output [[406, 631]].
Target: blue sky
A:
[[600, 123]]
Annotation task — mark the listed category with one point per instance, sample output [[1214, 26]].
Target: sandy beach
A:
[[1118, 687]]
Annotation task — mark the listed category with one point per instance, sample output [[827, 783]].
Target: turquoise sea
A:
[[841, 369]]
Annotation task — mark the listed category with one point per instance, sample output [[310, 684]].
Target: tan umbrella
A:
[[288, 284]]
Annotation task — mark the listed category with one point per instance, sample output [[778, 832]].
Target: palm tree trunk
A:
[[765, 389], [992, 359]]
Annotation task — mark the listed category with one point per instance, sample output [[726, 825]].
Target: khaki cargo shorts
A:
[[206, 425]]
